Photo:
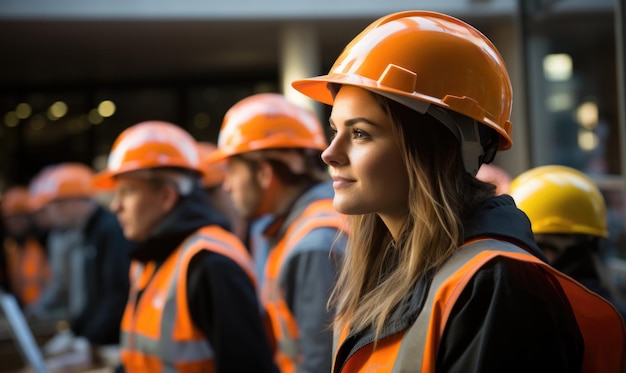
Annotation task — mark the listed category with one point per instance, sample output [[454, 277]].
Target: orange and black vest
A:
[[157, 333], [319, 214], [415, 349], [27, 268]]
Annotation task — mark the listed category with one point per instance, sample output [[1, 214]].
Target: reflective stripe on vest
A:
[[319, 214], [415, 350], [157, 332]]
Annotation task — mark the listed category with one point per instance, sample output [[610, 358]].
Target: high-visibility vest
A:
[[415, 349], [157, 333], [28, 269], [284, 326]]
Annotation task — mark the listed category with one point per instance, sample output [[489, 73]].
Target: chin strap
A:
[[466, 131]]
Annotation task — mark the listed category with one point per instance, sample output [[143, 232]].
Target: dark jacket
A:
[[582, 262], [508, 318], [223, 302], [106, 266]]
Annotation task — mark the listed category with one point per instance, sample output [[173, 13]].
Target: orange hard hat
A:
[[16, 201], [214, 171], [268, 121], [419, 58], [146, 145], [63, 180]]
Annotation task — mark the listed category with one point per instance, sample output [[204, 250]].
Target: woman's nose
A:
[[331, 155]]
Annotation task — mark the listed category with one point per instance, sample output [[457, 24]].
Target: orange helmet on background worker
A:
[[15, 200], [59, 181], [268, 121], [149, 145]]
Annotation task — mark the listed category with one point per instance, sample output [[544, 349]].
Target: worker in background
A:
[[568, 217], [27, 265], [97, 261], [212, 179], [274, 169], [54, 301], [442, 275], [193, 305]]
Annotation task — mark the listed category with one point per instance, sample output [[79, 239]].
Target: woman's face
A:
[[368, 171]]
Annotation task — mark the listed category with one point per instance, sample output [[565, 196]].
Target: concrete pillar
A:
[[299, 58], [506, 36]]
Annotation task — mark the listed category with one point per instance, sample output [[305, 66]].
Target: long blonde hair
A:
[[378, 272]]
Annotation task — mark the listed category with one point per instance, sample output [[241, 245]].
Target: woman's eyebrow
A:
[[353, 121]]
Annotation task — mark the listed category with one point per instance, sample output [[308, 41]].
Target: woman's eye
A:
[[358, 134]]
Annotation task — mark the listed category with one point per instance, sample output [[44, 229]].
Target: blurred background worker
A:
[[496, 175], [27, 266], [273, 149], [95, 261], [212, 180], [54, 301], [568, 217], [193, 304]]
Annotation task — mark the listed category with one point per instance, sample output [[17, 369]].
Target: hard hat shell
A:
[[16, 201], [214, 171], [560, 200], [268, 121], [63, 180], [146, 145], [419, 58]]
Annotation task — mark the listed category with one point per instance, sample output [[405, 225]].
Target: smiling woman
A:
[[419, 101]]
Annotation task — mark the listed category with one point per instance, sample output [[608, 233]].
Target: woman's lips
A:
[[341, 182]]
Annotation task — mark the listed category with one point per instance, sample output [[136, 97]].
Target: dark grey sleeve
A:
[[308, 279]]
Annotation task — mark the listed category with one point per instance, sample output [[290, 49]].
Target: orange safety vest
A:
[[157, 333], [415, 349], [283, 324], [27, 268]]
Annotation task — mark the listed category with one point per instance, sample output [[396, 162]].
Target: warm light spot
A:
[[11, 119], [587, 115], [557, 67], [57, 110], [587, 140], [106, 108], [23, 110], [94, 117]]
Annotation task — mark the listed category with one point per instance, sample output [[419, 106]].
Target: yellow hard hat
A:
[[560, 200]]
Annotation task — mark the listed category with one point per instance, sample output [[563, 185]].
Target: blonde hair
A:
[[377, 272]]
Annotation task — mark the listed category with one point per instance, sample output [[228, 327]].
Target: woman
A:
[[440, 274]]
